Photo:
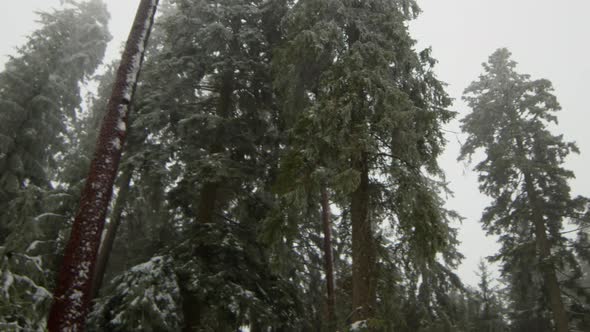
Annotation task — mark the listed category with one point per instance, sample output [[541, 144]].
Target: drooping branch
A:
[[72, 296]]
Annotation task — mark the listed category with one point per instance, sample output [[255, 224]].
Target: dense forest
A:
[[280, 173]]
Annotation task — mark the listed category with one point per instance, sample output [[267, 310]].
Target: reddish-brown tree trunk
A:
[[72, 297], [329, 264]]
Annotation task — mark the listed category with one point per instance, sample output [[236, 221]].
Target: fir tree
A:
[[72, 294], [523, 173], [252, 119], [39, 106], [368, 110], [205, 104], [490, 314], [40, 96]]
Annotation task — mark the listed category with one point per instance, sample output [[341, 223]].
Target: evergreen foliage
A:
[[147, 299], [39, 107], [489, 316], [247, 147], [245, 114], [367, 111], [522, 172], [40, 91]]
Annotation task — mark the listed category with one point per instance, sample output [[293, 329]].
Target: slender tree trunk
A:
[[363, 252], [329, 264], [72, 294], [109, 239], [547, 268], [551, 283]]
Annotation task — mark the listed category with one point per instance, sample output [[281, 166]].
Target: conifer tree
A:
[[365, 104], [134, 234], [218, 165], [39, 105], [490, 314], [40, 98], [248, 114], [72, 291], [524, 175]]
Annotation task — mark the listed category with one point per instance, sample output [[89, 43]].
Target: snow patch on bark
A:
[[93, 208], [121, 126], [122, 110], [116, 142], [136, 60]]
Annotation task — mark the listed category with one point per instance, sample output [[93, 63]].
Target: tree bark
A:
[[207, 199], [191, 307], [551, 283], [109, 239], [72, 295], [550, 278], [329, 264], [208, 194], [363, 252]]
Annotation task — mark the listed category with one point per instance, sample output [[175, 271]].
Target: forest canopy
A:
[[279, 171]]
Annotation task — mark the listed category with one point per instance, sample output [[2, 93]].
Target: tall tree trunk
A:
[[71, 301], [548, 269], [363, 252], [208, 194], [109, 239], [329, 264]]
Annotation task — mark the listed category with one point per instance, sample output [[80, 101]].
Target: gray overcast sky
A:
[[548, 38]]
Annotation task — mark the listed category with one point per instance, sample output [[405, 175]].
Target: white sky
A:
[[548, 38]]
